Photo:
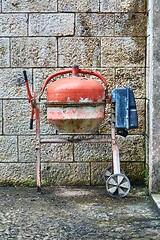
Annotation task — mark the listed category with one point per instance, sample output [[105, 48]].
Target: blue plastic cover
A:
[[125, 108]]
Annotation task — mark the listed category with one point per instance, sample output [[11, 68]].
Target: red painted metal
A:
[[74, 71], [61, 140], [38, 159], [76, 104], [75, 89], [27, 88]]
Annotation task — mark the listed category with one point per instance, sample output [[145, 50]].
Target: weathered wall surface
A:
[[42, 37], [153, 97]]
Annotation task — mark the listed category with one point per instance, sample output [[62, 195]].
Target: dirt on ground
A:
[[63, 213]]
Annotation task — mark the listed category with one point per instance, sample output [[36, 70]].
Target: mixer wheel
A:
[[118, 185], [109, 171]]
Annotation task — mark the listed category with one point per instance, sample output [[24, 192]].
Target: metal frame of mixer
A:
[[117, 184]]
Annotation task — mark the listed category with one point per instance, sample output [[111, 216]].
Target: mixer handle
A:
[[27, 85], [75, 71], [95, 74], [49, 78], [25, 75], [30, 98]]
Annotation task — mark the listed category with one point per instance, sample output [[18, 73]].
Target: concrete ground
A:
[[63, 213]]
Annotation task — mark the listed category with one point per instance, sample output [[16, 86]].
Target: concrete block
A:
[[66, 173], [4, 52], [29, 6], [39, 77], [16, 115], [133, 77], [51, 24], [78, 6], [85, 52], [123, 51], [94, 24], [130, 24], [53, 152], [34, 52], [27, 149], [141, 110], [132, 148], [13, 25], [16, 174], [123, 6], [93, 152], [50, 152], [98, 172], [49, 46], [134, 171], [17, 119], [12, 82], [8, 149]]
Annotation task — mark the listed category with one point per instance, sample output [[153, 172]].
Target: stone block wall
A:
[[108, 36]]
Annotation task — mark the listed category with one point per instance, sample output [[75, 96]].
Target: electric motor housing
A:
[[125, 112]]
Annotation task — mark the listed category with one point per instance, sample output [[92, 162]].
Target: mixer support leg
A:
[[115, 150], [38, 159], [117, 185]]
